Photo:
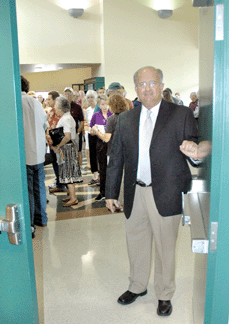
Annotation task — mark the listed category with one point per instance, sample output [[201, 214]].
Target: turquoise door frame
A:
[[217, 287], [18, 301]]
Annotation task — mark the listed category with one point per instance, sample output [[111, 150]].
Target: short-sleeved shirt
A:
[[98, 119], [77, 113], [53, 119], [68, 123], [35, 124], [110, 128]]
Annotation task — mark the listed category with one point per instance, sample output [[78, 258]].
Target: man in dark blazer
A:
[[147, 144]]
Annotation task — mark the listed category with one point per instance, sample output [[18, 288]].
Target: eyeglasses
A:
[[152, 84], [68, 94]]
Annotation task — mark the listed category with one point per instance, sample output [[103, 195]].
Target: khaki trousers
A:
[[145, 223]]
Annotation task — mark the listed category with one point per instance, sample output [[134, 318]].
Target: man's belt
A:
[[143, 184]]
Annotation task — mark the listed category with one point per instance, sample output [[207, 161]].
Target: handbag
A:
[[48, 158], [57, 134]]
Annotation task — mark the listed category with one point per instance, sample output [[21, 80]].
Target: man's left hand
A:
[[196, 151], [190, 149]]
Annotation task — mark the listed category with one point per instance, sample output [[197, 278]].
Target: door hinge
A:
[[213, 236]]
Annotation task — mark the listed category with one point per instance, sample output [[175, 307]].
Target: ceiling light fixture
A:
[[75, 13], [164, 13]]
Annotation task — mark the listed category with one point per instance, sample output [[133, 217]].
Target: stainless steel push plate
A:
[[11, 225]]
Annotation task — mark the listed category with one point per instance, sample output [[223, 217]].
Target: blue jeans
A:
[[37, 193]]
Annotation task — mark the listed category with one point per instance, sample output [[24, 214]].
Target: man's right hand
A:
[[110, 205]]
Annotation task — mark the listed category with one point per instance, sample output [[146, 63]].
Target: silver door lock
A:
[[11, 225]]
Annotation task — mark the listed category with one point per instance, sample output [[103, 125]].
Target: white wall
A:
[[122, 35], [135, 36], [47, 34]]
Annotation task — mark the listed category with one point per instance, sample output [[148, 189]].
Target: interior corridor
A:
[[81, 266]]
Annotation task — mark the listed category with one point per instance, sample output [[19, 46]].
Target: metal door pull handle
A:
[[10, 224]]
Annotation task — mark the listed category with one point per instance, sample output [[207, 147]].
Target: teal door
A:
[[217, 284], [18, 301], [211, 279]]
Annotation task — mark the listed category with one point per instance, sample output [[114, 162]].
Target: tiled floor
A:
[[82, 267]]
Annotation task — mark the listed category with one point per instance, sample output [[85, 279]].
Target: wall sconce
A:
[[75, 13], [164, 13]]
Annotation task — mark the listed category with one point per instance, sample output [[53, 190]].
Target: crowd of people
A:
[[83, 119], [147, 140], [87, 118]]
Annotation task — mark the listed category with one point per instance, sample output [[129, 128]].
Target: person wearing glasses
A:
[[151, 142], [77, 114]]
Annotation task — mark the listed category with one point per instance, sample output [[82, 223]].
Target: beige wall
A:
[[47, 34], [134, 36], [123, 35], [56, 80]]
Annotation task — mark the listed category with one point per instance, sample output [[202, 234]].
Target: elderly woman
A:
[[85, 105], [67, 151], [97, 125], [117, 104], [91, 96]]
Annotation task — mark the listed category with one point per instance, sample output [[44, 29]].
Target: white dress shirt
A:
[[143, 117]]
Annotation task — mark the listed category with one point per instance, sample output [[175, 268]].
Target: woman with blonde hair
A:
[[117, 105], [97, 125]]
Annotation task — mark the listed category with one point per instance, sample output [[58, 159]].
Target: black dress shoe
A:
[[40, 224], [164, 308], [128, 297]]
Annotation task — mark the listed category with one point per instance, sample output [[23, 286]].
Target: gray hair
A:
[[81, 92], [100, 98], [63, 104], [147, 67], [91, 93]]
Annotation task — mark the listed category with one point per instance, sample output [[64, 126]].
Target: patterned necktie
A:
[[145, 169]]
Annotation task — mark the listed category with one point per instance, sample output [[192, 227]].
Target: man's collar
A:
[[155, 108]]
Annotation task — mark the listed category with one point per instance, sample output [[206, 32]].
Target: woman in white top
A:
[[91, 96], [67, 151]]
